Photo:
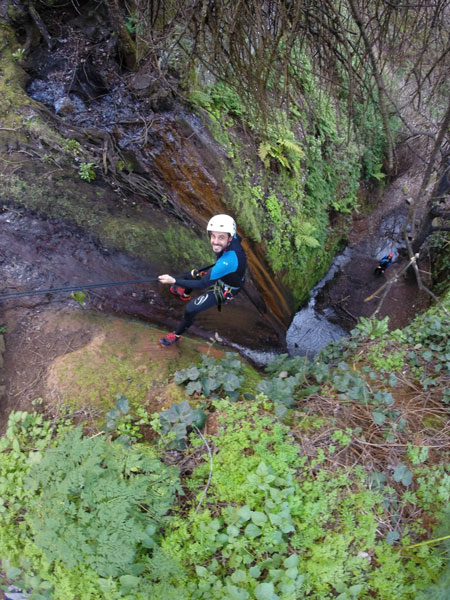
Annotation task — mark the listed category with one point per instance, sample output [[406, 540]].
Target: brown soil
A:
[[65, 356]]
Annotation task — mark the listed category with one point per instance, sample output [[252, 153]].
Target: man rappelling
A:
[[221, 281], [384, 263]]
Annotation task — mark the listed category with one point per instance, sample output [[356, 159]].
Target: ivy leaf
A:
[[392, 537], [258, 517], [180, 430], [192, 372], [265, 591], [180, 376], [170, 415], [252, 531], [291, 561], [194, 386], [379, 417], [403, 475], [232, 383], [185, 412], [209, 385], [122, 404], [199, 418], [244, 513]]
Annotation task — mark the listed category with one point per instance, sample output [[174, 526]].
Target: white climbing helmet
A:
[[222, 223]]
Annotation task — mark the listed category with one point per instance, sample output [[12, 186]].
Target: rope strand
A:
[[75, 288]]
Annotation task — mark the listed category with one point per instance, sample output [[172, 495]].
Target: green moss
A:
[[169, 244], [123, 357], [251, 379]]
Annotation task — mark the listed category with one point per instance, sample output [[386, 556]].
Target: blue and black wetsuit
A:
[[385, 262], [222, 282]]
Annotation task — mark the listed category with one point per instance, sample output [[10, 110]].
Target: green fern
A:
[[264, 153], [304, 236], [285, 151], [98, 502], [291, 146]]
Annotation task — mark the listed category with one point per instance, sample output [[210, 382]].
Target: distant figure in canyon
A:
[[222, 280], [384, 264]]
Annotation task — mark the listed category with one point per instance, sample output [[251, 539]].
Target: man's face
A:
[[219, 241]]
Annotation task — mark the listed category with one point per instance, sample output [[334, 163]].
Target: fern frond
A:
[[264, 152], [291, 147]]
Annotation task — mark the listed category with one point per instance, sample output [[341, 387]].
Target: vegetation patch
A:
[[342, 494]]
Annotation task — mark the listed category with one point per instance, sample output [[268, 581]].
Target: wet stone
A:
[[64, 105]]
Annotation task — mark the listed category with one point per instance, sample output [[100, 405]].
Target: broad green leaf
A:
[[403, 475], [379, 417], [233, 531], [13, 573], [199, 418], [258, 517], [185, 412], [392, 537], [252, 531], [244, 513], [180, 376], [129, 582], [194, 386], [291, 561], [265, 591], [239, 576], [192, 372], [122, 404], [255, 571]]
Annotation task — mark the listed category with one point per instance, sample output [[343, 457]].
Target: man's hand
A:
[[166, 279]]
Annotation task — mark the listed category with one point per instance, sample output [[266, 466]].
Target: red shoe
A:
[[179, 291], [168, 340]]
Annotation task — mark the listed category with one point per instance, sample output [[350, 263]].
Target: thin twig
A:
[[210, 466]]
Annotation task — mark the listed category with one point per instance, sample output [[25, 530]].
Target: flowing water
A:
[[311, 329]]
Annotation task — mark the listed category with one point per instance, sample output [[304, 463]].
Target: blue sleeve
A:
[[227, 263]]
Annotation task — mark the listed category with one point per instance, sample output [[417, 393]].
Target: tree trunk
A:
[[127, 47], [379, 83]]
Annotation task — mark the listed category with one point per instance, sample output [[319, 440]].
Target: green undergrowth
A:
[[314, 480], [283, 186]]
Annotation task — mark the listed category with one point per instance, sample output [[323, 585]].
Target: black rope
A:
[[76, 288]]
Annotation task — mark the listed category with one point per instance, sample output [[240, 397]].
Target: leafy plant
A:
[[19, 54], [285, 150], [72, 147], [304, 236], [87, 171], [79, 297], [176, 421], [372, 328], [126, 422], [213, 377], [97, 502]]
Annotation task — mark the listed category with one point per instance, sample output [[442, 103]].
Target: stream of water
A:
[[312, 329]]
